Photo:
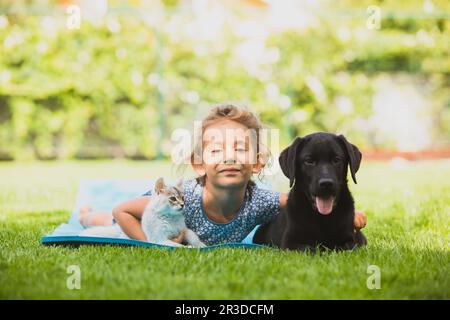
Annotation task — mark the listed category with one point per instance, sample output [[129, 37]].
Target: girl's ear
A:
[[257, 167]]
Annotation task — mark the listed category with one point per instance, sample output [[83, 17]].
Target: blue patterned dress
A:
[[259, 206]]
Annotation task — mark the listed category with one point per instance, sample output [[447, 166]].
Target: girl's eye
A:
[[241, 149], [309, 162], [216, 151]]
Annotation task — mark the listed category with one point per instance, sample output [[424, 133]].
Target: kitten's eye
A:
[[309, 162], [172, 198]]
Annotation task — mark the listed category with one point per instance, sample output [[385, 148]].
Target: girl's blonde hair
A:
[[242, 115]]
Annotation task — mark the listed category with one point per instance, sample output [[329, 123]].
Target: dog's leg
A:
[[360, 239], [290, 242], [347, 246], [302, 247]]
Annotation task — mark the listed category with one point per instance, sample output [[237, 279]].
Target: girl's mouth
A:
[[230, 171]]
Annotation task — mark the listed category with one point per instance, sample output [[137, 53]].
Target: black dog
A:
[[320, 207]]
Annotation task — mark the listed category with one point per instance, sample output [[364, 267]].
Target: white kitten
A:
[[162, 219]]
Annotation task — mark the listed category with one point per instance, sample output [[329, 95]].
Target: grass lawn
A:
[[408, 232]]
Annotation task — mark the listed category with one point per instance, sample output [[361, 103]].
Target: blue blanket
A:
[[105, 195]]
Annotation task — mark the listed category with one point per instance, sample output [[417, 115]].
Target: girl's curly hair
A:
[[242, 115]]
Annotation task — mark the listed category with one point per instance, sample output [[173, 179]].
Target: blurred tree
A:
[[93, 92]]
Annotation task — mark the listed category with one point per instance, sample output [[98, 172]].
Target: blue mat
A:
[[105, 195]]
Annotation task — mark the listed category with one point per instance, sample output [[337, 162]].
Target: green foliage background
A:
[[93, 92]]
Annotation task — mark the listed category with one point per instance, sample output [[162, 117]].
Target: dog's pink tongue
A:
[[325, 205]]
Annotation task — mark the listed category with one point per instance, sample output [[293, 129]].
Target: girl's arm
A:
[[359, 221], [128, 215]]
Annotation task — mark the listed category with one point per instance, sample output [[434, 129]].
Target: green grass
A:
[[408, 233]]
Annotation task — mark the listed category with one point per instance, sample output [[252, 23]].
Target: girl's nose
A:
[[230, 160], [229, 156]]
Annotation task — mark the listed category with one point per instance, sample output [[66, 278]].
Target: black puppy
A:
[[320, 207]]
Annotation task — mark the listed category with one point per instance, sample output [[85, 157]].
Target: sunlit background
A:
[[113, 79]]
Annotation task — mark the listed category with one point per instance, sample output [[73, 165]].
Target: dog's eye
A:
[[336, 160], [309, 162]]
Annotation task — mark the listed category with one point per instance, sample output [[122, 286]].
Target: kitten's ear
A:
[[179, 185], [159, 185]]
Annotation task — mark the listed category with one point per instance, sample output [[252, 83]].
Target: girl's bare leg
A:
[[88, 218]]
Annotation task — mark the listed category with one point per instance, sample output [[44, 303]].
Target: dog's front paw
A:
[[347, 246]]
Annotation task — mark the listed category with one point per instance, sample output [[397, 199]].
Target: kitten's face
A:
[[171, 197]]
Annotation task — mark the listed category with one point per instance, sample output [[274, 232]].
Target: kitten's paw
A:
[[197, 245], [171, 244]]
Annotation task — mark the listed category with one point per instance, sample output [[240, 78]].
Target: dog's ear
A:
[[354, 156], [288, 159]]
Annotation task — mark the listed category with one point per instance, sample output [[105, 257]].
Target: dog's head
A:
[[317, 164]]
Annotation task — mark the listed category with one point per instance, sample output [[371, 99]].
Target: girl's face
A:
[[229, 154]]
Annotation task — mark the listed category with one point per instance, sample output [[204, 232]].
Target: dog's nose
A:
[[326, 183]]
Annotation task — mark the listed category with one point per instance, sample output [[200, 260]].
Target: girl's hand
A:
[[180, 237], [360, 220]]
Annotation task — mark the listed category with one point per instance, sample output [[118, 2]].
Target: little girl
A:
[[222, 204]]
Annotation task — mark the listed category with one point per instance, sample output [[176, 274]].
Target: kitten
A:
[[162, 219]]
